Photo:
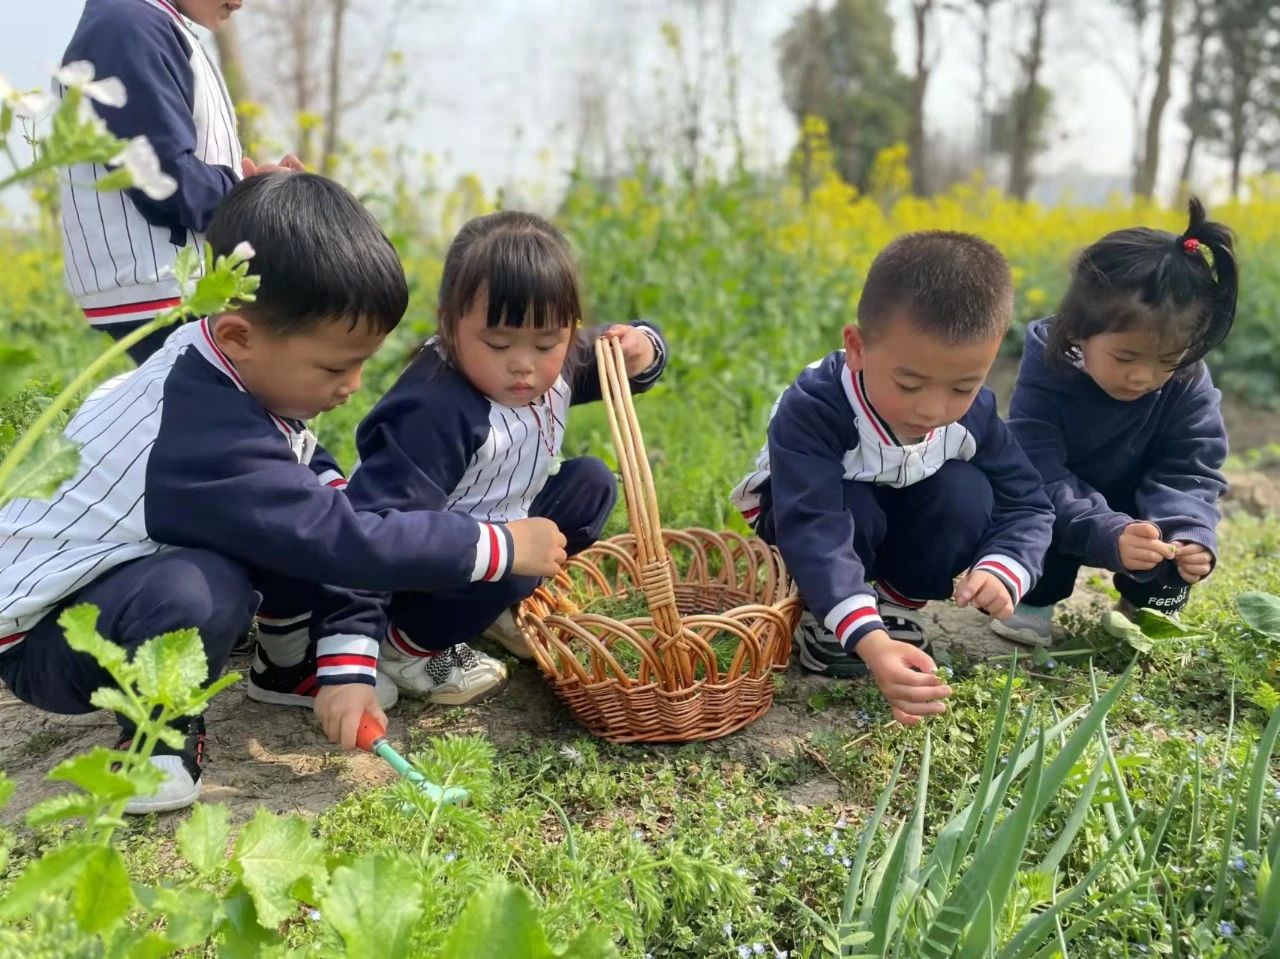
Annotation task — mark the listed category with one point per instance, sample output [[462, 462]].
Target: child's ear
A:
[[854, 345], [234, 335]]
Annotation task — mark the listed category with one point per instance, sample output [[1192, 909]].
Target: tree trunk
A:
[[231, 61], [1025, 119], [1146, 181], [300, 40], [984, 79], [921, 11], [1196, 106], [333, 115]]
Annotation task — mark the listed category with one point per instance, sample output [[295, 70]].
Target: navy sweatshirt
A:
[[823, 432], [1159, 455], [435, 442], [120, 247], [179, 454]]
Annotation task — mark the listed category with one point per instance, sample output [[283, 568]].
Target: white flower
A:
[[568, 752], [140, 159], [34, 106], [79, 74], [244, 251]]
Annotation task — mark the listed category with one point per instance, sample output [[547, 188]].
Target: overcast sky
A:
[[484, 69]]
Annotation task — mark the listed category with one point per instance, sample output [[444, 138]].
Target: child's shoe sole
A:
[[1021, 635]]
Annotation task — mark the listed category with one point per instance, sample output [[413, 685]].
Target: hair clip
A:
[[1191, 244]]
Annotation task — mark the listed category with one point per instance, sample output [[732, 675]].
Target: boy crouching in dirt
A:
[[887, 472], [202, 494]]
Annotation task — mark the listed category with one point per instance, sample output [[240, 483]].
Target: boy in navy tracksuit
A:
[[1117, 411], [202, 493], [888, 473], [120, 248]]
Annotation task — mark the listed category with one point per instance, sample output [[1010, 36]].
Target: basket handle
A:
[[656, 580]]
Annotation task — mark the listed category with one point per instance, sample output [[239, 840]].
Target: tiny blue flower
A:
[[450, 856], [841, 823], [785, 862], [846, 861], [314, 915], [1137, 697], [780, 954], [1238, 864], [728, 929], [809, 848], [757, 948], [808, 833], [1226, 928], [744, 952], [1050, 663], [637, 834], [1199, 739], [829, 849]]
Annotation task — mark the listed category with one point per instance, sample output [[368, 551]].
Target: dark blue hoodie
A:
[[1107, 463]]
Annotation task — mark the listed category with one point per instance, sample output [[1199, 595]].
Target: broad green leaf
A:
[[501, 921], [102, 892], [190, 913], [171, 666], [52, 461], [73, 805], [854, 885], [278, 860], [80, 625], [1049, 864], [1261, 611], [594, 943], [14, 363], [1118, 625], [113, 700], [242, 934], [218, 288], [140, 944], [202, 839], [92, 772], [374, 905], [118, 179], [51, 874], [1162, 626]]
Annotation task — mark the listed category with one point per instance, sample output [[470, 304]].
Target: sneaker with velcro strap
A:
[[905, 625], [181, 771], [297, 685], [820, 652]]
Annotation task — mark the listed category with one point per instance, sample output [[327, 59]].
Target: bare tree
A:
[[1145, 181], [1027, 110], [982, 11], [922, 15], [1196, 115], [334, 105]]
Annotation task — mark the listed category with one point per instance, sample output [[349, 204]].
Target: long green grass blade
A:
[[915, 833], [1156, 838], [1079, 812], [1258, 783], [1269, 890], [864, 845], [1003, 784], [1086, 923], [1224, 854], [879, 906], [1035, 931]]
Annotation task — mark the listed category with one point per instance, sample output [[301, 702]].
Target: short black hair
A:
[[1142, 276], [521, 262], [954, 286], [320, 255]]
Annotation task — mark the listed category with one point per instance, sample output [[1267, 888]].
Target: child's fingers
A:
[[1143, 530], [905, 719], [919, 659], [919, 709], [916, 694]]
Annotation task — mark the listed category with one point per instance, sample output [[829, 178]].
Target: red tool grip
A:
[[369, 732]]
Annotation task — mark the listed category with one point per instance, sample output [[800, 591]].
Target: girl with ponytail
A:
[[1115, 408]]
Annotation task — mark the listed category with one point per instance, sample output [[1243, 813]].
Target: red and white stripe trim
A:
[[128, 312], [402, 644], [345, 658], [494, 554], [8, 642], [333, 478], [210, 351], [898, 599], [1009, 571], [853, 618]]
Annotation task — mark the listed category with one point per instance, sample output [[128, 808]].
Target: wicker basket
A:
[[721, 611]]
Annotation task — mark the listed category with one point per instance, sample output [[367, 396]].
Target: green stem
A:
[[46, 419]]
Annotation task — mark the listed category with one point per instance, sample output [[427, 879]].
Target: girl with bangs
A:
[[475, 425]]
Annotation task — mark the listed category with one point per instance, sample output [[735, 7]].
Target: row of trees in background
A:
[[836, 61]]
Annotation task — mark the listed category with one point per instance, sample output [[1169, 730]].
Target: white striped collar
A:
[[171, 10], [871, 424], [202, 339]]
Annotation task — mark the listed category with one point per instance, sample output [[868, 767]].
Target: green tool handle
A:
[[451, 796]]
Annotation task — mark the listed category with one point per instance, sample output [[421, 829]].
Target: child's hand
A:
[[287, 162], [1195, 562], [538, 545], [1142, 549], [340, 707], [905, 676], [983, 591], [637, 348]]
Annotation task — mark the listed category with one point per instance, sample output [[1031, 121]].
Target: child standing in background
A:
[[474, 426], [1117, 411], [120, 248], [887, 472]]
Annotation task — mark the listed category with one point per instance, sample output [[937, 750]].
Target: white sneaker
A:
[[453, 677], [1028, 626], [507, 634], [180, 785]]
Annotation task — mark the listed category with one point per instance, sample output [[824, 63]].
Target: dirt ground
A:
[[276, 756]]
